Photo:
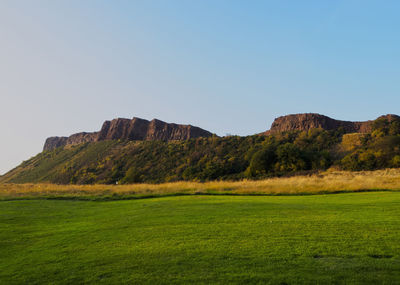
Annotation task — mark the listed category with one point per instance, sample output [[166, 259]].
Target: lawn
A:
[[351, 238]]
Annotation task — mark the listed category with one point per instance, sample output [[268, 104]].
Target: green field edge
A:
[[118, 197]]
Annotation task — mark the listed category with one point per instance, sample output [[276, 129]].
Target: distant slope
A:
[[135, 161], [214, 158]]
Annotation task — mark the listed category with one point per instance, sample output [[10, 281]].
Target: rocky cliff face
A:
[[135, 129], [304, 122], [140, 129]]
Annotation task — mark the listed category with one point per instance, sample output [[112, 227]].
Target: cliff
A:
[[135, 129], [144, 130], [304, 122]]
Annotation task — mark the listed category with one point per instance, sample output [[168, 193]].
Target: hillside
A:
[[215, 158], [113, 161]]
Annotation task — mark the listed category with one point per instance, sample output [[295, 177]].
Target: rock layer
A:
[[126, 129], [304, 122]]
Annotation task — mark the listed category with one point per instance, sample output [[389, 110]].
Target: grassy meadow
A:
[[348, 238], [290, 230], [324, 182]]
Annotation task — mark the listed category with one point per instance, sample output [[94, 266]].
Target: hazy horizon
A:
[[224, 66]]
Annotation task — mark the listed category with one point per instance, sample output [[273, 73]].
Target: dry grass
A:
[[326, 182]]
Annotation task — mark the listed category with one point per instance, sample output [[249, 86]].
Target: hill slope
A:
[[213, 158]]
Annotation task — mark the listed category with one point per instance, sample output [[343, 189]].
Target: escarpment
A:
[[127, 129], [144, 130], [307, 121]]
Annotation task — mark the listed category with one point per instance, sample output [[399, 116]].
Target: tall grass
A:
[[325, 182]]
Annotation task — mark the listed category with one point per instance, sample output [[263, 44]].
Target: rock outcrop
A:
[[304, 122], [135, 129], [144, 130]]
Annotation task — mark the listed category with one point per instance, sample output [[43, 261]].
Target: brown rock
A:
[[135, 129], [55, 142], [304, 122]]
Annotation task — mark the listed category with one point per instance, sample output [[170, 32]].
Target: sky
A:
[[227, 66]]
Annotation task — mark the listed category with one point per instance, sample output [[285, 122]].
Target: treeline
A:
[[205, 159]]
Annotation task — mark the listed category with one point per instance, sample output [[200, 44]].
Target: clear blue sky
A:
[[226, 66]]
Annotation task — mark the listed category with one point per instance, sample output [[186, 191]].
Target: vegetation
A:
[[70, 232], [320, 239], [377, 150], [326, 182], [208, 159]]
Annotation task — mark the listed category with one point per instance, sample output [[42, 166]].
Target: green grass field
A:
[[351, 238]]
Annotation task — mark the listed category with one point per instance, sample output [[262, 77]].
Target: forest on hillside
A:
[[214, 158]]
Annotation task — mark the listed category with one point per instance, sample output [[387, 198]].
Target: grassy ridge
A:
[[322, 239], [326, 182]]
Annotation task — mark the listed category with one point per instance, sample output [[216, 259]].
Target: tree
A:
[[132, 176], [290, 158], [261, 162]]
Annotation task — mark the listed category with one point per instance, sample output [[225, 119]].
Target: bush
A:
[[133, 175], [290, 158], [262, 162]]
